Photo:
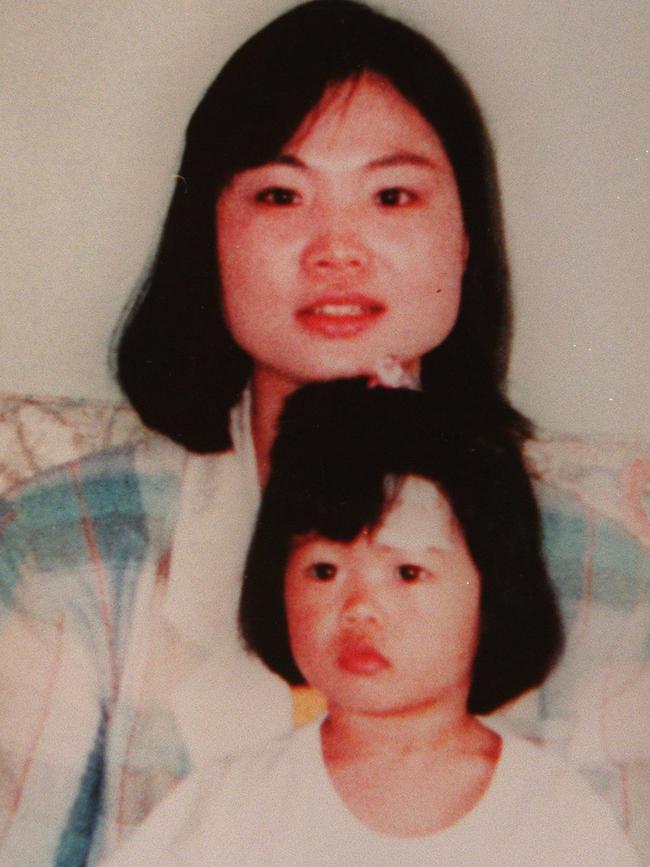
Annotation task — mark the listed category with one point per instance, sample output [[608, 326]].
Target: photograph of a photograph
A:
[[324, 434]]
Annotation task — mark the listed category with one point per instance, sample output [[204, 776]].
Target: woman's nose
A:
[[336, 252]]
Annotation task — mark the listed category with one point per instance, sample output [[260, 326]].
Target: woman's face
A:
[[349, 248]]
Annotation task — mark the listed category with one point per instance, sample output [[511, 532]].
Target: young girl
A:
[[396, 567]]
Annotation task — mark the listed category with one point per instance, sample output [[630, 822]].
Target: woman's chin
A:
[[288, 379]]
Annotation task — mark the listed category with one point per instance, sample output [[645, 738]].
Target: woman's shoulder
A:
[[592, 494], [109, 510], [593, 478], [106, 480], [596, 537]]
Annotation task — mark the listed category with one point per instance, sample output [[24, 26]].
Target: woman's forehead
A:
[[362, 107]]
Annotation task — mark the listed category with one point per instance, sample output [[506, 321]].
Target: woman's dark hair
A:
[[337, 443], [176, 360]]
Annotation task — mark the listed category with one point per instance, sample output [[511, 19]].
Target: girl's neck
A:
[[420, 729], [409, 775], [269, 391]]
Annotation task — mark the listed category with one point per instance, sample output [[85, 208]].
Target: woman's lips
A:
[[340, 315], [361, 659]]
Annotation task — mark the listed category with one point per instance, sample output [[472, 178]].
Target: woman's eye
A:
[[394, 197], [279, 196], [410, 572], [323, 571]]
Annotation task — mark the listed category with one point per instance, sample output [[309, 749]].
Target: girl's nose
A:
[[360, 608], [336, 252]]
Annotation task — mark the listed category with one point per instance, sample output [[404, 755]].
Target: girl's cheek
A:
[[313, 618], [299, 611]]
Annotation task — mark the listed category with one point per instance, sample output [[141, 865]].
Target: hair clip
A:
[[391, 373]]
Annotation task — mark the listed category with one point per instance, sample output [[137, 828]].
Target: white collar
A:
[[219, 504]]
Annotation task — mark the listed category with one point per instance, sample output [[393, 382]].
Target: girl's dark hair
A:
[[338, 442], [176, 360]]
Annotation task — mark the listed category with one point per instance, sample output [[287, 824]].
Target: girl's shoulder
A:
[[272, 765], [556, 806]]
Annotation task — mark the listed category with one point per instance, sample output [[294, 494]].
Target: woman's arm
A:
[[53, 694], [596, 703]]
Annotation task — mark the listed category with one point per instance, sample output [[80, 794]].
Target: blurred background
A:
[[94, 100]]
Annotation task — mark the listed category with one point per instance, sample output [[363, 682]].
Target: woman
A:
[[177, 360], [337, 156]]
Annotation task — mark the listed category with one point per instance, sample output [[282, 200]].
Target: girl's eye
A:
[[278, 196], [394, 197], [323, 571], [410, 572]]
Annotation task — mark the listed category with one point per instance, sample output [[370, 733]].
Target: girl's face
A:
[[349, 248], [389, 622]]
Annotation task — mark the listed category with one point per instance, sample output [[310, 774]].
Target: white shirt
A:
[[276, 806]]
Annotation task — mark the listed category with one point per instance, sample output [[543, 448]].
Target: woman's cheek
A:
[[268, 248]]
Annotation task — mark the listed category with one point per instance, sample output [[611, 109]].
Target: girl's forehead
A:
[[418, 516]]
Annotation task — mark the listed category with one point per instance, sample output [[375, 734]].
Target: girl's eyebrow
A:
[[287, 160], [298, 540]]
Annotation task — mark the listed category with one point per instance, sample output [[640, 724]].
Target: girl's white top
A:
[[276, 806]]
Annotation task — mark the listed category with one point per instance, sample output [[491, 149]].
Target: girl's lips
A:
[[361, 659], [340, 315]]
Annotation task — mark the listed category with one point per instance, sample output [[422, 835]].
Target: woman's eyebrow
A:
[[399, 158], [402, 158]]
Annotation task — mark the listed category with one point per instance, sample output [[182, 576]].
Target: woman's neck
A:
[[269, 390]]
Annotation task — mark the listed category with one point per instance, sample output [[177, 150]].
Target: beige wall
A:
[[94, 98]]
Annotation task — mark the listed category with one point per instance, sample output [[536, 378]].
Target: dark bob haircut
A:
[[338, 442], [176, 360]]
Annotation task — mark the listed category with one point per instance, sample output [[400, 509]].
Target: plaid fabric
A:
[[76, 545], [89, 737], [596, 705]]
